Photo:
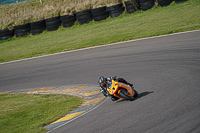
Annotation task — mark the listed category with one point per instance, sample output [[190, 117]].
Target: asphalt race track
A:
[[164, 70]]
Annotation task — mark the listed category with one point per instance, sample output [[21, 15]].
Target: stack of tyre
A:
[[68, 20], [137, 4], [180, 1], [130, 8], [164, 2], [53, 24], [22, 30], [146, 4], [100, 13], [37, 27], [84, 17], [115, 10], [6, 33]]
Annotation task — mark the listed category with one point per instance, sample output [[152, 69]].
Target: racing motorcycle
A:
[[119, 90]]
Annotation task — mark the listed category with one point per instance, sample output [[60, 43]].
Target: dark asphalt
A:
[[164, 70]]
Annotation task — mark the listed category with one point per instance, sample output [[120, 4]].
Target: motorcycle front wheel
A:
[[124, 93]]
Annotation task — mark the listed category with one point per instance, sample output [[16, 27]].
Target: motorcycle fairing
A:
[[114, 88]]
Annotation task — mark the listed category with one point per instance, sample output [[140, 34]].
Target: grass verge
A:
[[29, 113], [156, 21]]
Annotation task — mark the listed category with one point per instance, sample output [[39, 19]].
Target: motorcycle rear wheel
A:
[[136, 93], [124, 93]]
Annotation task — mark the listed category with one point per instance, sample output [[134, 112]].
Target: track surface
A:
[[165, 71]]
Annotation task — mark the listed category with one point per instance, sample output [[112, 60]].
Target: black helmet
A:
[[101, 80]]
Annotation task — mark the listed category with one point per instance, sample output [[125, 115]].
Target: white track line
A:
[[101, 46]]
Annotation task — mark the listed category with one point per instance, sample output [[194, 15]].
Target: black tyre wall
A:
[[5, 37], [130, 8], [164, 2], [83, 12], [22, 30], [84, 21], [52, 24], [53, 27], [97, 10], [37, 31], [146, 4], [137, 4], [114, 7], [101, 17], [6, 33], [37, 27], [52, 19], [121, 9], [116, 10], [68, 20], [84, 17], [180, 1], [100, 13]]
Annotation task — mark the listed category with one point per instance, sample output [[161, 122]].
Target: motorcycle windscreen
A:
[[109, 84]]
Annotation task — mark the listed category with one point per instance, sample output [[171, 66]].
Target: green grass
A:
[[21, 113], [156, 21]]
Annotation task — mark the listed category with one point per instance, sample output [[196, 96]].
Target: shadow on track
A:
[[143, 94], [140, 95]]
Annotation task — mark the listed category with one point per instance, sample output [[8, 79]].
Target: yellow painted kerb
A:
[[68, 117], [71, 116], [6, 92], [42, 89], [93, 101], [76, 88], [92, 93]]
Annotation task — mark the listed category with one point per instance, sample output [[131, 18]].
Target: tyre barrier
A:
[[84, 17], [164, 2], [6, 33], [146, 4], [68, 20], [137, 4], [53, 24], [37, 27], [180, 1], [22, 30], [115, 10], [100, 13], [130, 8]]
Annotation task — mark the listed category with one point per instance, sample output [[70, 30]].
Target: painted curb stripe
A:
[[84, 108], [76, 88], [41, 89], [68, 117], [59, 122], [92, 93], [93, 101], [6, 92], [92, 98]]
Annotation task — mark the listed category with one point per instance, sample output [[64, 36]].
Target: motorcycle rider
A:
[[104, 81]]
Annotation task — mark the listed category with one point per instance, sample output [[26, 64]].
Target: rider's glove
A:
[[104, 92]]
